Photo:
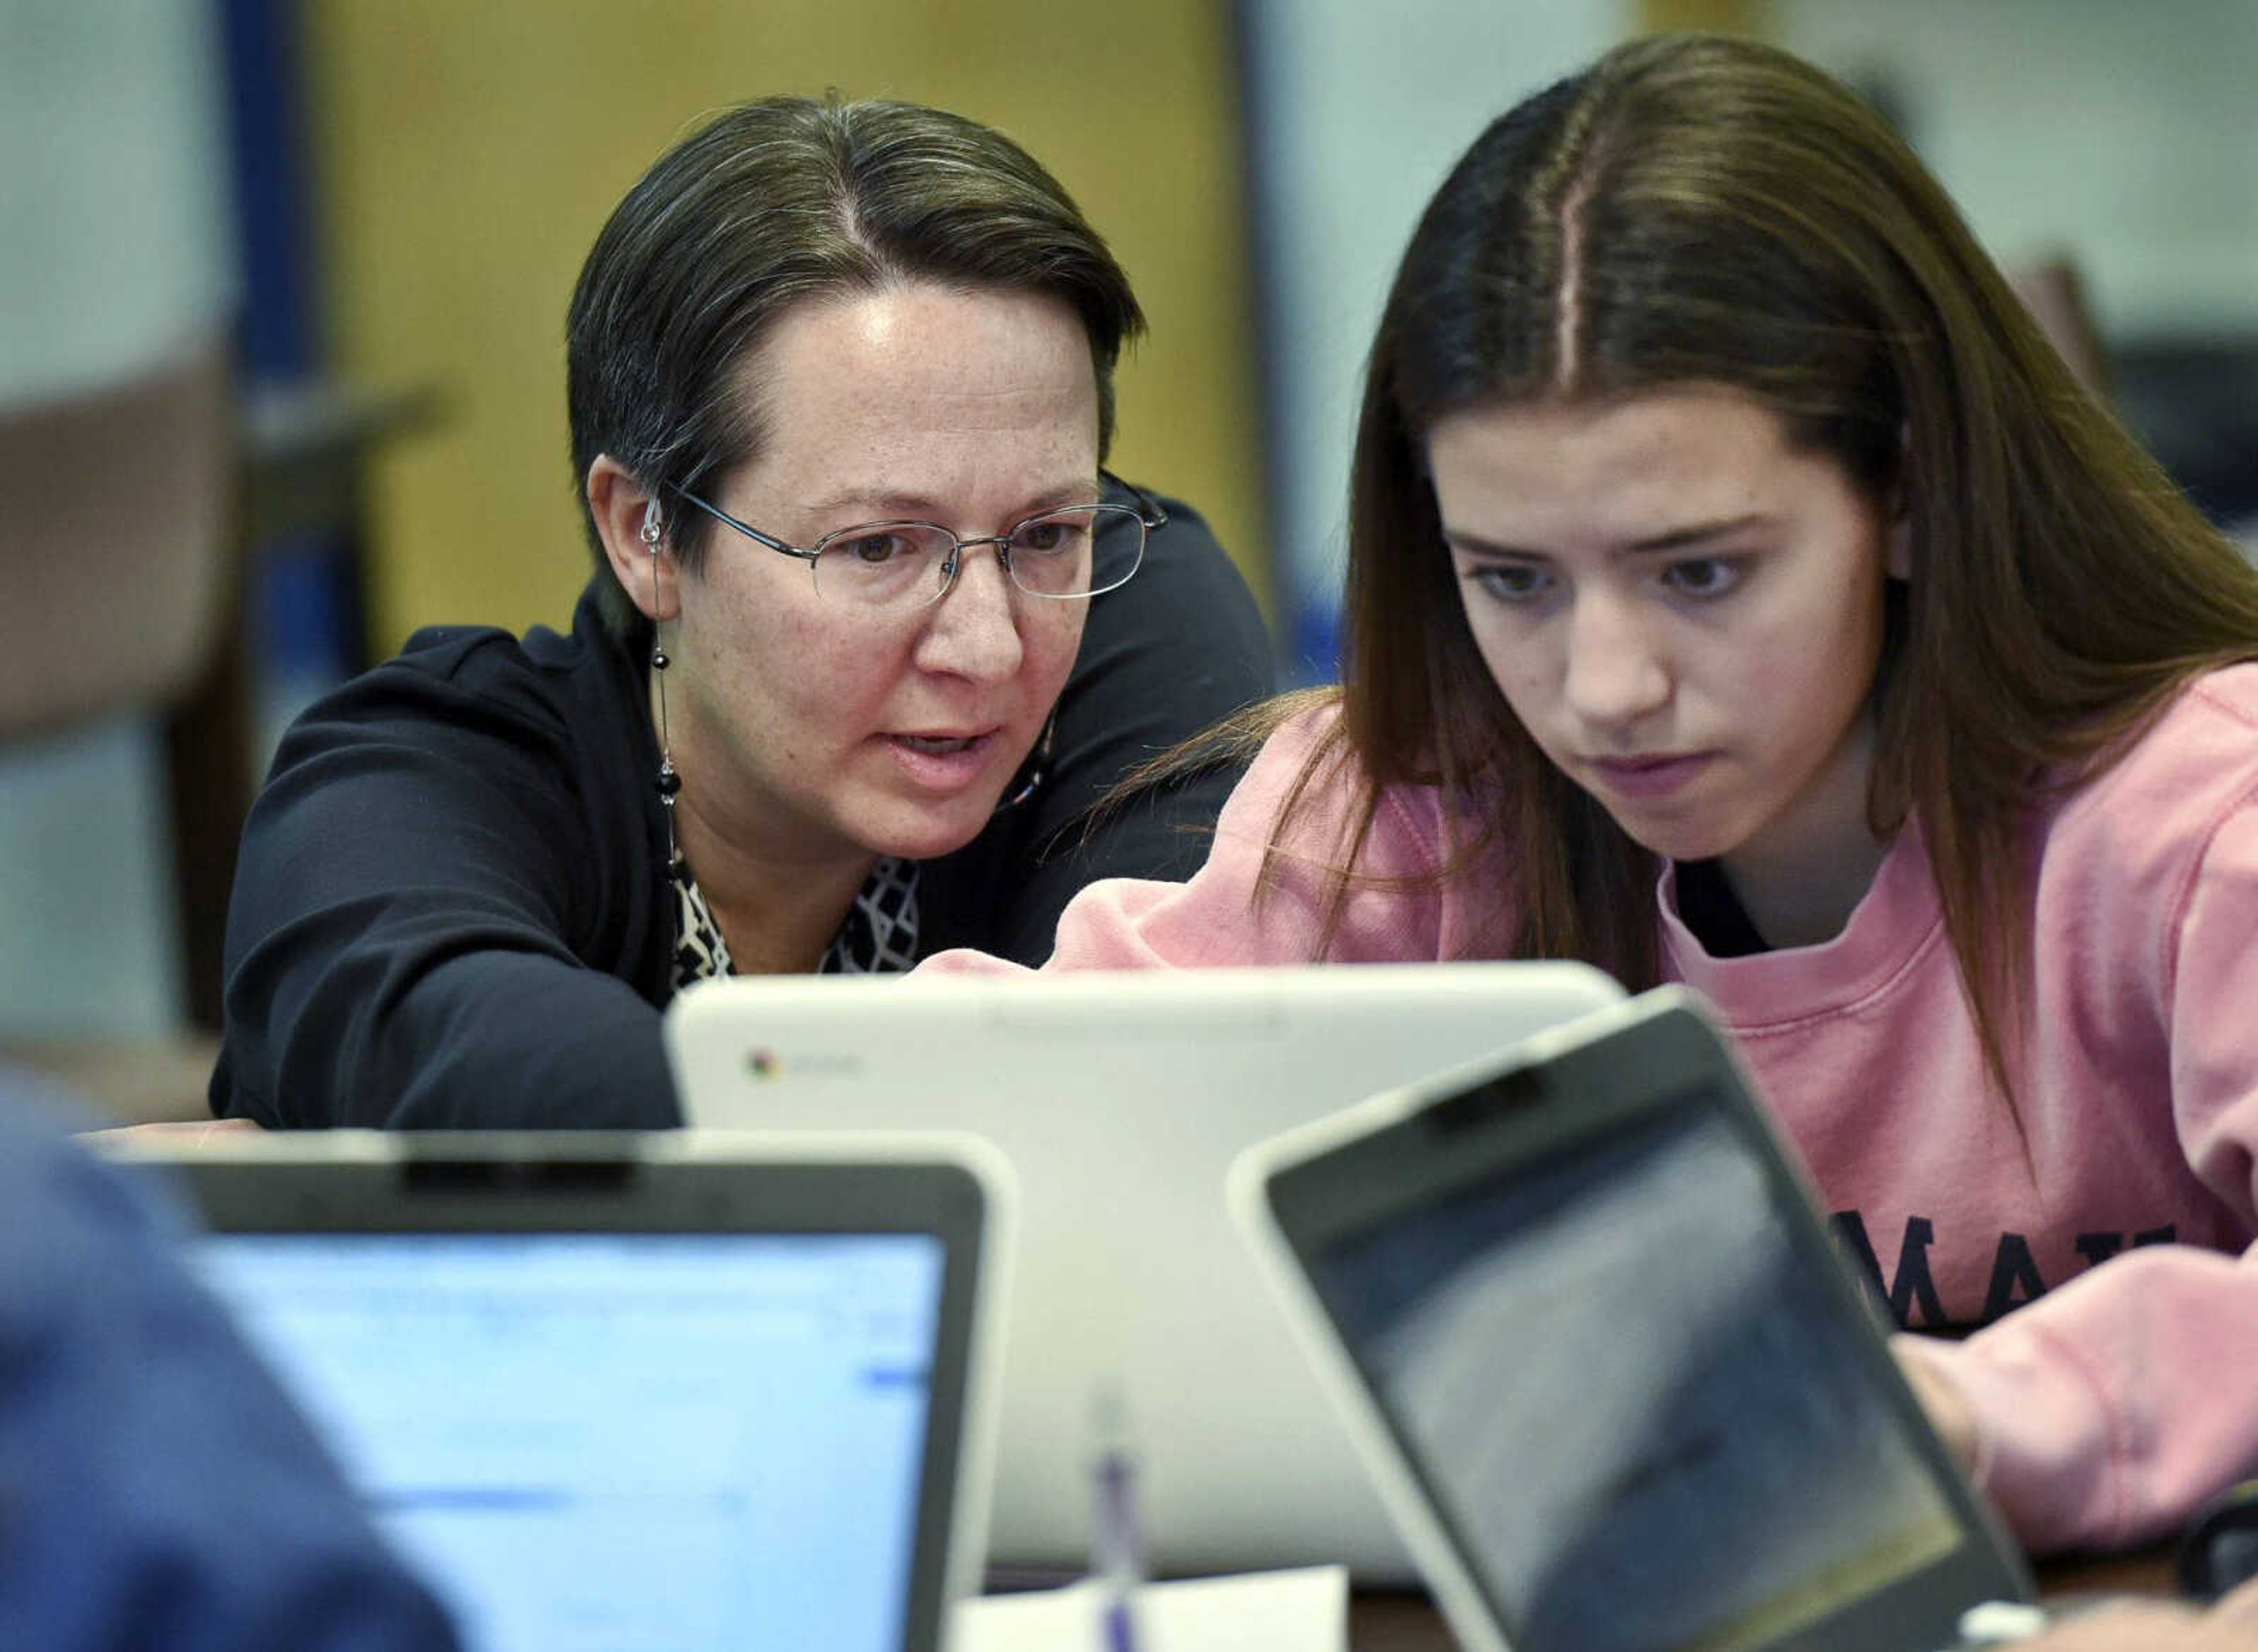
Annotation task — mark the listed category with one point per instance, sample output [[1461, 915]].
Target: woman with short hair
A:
[[862, 651]]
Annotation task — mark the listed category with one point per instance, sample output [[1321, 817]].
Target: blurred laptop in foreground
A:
[[700, 1393]]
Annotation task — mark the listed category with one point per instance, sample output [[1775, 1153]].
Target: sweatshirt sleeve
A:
[[2110, 1409], [426, 922], [1227, 914]]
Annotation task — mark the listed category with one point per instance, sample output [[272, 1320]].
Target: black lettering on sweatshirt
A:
[[1910, 1288]]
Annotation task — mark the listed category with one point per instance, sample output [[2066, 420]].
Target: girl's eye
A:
[[1510, 582], [1702, 576]]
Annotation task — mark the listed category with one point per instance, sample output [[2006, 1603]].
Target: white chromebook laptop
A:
[[699, 1392], [1121, 1099], [1585, 1322]]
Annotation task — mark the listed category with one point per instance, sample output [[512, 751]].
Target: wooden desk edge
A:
[[1406, 1621]]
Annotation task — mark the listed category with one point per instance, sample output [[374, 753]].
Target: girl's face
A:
[[1684, 612]]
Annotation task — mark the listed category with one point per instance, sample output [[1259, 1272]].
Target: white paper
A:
[[1304, 1610]]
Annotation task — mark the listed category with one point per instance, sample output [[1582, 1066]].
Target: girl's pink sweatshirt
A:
[[2124, 1214]]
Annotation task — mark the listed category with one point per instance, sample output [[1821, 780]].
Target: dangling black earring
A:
[[1039, 762], [669, 781]]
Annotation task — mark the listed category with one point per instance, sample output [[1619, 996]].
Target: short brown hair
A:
[[783, 200]]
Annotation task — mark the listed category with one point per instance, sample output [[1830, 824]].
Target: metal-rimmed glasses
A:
[[895, 568]]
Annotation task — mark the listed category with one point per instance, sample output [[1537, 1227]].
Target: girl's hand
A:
[[1948, 1408]]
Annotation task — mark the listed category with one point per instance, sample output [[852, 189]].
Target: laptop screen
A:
[[625, 1441]]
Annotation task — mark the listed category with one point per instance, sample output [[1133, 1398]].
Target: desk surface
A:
[[1396, 1623], [1406, 1622]]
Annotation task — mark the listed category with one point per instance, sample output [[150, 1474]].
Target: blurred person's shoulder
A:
[[62, 1198]]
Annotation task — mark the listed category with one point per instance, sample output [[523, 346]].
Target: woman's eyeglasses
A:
[[893, 568]]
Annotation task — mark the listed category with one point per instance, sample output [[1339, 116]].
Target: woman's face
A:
[[808, 732], [1685, 611]]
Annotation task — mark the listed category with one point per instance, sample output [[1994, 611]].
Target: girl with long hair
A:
[[1742, 591]]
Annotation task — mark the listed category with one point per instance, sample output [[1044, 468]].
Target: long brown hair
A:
[[1699, 209]]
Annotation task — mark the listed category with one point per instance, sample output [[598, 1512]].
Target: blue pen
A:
[[1117, 1559]]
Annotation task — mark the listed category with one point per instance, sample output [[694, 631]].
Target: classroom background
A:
[[394, 196]]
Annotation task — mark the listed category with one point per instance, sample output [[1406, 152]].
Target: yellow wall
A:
[[468, 154], [1724, 16]]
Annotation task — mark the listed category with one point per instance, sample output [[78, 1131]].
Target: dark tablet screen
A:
[[1650, 1416]]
